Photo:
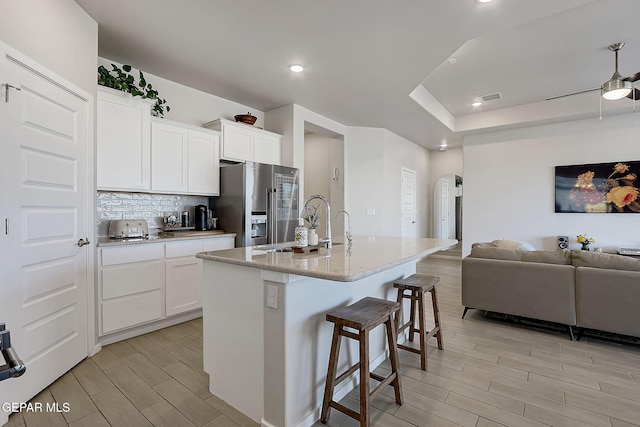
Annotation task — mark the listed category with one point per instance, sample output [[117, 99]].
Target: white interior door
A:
[[444, 206], [408, 203], [43, 206]]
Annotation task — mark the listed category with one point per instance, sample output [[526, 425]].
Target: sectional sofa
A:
[[576, 288]]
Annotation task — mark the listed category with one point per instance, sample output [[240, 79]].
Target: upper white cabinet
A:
[[123, 141], [203, 160], [266, 148], [137, 152], [241, 142], [184, 159]]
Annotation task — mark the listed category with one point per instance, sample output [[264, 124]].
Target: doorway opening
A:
[[324, 173], [447, 210]]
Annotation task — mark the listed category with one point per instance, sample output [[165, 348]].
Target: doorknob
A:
[[83, 242], [413, 222]]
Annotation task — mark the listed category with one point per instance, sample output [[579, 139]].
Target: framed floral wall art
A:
[[598, 188]]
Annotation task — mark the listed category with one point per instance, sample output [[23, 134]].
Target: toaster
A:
[[125, 228]]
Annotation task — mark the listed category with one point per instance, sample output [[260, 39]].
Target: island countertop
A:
[[367, 256]]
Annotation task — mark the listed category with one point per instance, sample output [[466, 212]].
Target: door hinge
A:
[[7, 86]]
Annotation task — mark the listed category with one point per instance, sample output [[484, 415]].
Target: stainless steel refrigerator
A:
[[258, 202]]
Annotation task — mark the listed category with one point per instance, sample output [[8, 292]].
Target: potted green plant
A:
[[120, 79]]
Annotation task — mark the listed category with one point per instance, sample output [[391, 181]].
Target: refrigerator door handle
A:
[[270, 224], [274, 203]]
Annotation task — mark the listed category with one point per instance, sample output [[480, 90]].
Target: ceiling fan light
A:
[[616, 89]]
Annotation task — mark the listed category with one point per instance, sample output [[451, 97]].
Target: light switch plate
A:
[[371, 212], [272, 296]]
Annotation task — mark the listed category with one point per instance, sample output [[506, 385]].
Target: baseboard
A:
[[95, 350], [148, 327]]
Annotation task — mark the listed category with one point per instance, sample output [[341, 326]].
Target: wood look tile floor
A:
[[490, 373]]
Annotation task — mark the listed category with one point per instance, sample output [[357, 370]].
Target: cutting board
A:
[[190, 233]]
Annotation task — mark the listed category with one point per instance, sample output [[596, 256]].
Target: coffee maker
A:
[[200, 217]]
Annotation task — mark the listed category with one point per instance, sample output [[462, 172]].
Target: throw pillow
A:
[[513, 244], [545, 257]]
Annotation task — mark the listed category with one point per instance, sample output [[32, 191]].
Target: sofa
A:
[[576, 288]]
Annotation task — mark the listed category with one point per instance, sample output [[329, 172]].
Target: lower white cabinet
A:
[[143, 283], [183, 276], [184, 285], [131, 287]]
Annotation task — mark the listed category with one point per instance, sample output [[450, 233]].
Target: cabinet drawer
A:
[[131, 311], [131, 279], [182, 249], [133, 253], [218, 243]]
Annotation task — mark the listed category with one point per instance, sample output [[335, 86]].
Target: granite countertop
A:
[[106, 241], [368, 256]]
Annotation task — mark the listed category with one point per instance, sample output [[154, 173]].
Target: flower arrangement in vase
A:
[[312, 217], [584, 241]]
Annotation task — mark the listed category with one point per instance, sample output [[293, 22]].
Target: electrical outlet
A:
[[371, 212], [272, 296]]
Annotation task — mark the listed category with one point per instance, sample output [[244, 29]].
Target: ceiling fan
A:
[[618, 87]]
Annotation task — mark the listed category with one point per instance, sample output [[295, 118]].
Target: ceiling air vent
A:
[[491, 97]]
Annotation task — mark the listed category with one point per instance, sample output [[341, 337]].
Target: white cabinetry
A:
[[266, 148], [184, 159], [130, 285], [241, 142], [203, 160], [143, 283], [184, 276], [123, 141]]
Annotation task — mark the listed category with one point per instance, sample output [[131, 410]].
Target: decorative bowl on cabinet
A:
[[245, 118]]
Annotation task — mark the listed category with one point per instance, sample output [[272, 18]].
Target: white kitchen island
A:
[[266, 340]]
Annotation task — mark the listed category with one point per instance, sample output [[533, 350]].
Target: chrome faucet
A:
[[327, 238], [348, 232]]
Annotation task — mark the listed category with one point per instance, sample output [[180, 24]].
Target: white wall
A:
[[364, 154], [280, 121], [398, 153], [374, 160], [509, 182], [316, 172], [321, 155], [57, 34], [291, 121], [336, 187], [316, 164], [189, 105]]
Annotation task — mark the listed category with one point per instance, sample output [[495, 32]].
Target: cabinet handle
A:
[[83, 242]]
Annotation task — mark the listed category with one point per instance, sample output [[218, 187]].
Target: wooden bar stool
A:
[[362, 316], [419, 285]]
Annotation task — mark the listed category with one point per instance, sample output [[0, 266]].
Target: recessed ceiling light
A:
[[452, 61], [296, 68], [476, 103], [484, 1]]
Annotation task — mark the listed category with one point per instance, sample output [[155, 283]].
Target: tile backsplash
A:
[[152, 207]]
